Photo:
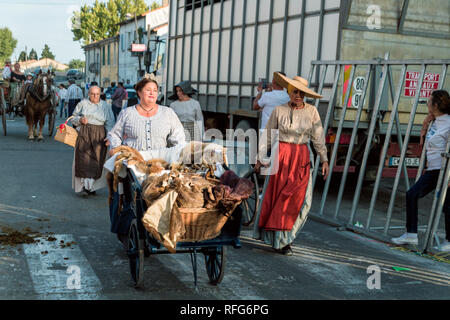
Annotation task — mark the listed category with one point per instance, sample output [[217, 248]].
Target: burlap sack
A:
[[161, 223]]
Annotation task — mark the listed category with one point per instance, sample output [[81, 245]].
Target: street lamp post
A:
[[136, 40], [137, 36]]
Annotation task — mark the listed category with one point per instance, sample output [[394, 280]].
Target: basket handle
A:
[[63, 125], [68, 119]]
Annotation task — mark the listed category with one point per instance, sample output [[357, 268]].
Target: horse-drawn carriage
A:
[[7, 108], [34, 101]]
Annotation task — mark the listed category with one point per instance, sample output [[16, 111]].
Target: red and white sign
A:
[[137, 47], [430, 83]]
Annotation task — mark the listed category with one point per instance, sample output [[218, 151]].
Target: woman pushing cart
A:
[[159, 206]]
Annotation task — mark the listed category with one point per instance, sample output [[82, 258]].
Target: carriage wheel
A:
[[251, 205], [215, 264], [136, 255], [3, 111], [51, 123]]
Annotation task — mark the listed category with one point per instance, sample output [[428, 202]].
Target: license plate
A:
[[410, 162]]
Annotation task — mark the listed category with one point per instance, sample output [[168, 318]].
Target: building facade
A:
[[45, 63], [102, 61], [149, 29]]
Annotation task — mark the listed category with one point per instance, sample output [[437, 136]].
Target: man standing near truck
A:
[[267, 101]]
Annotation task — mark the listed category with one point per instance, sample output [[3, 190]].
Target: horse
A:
[[39, 100]]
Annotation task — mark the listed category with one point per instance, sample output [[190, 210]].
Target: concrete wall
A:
[[129, 64], [422, 15], [91, 57], [109, 70]]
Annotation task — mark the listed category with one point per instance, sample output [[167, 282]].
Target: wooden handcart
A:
[[141, 243]]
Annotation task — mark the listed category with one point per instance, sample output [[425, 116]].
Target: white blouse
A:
[[436, 141], [163, 130], [99, 114]]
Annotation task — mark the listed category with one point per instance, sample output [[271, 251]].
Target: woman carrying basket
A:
[[287, 199], [93, 119]]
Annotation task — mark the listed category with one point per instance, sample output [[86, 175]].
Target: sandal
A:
[[287, 250]]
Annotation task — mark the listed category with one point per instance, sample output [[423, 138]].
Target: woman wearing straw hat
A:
[[188, 110], [287, 199]]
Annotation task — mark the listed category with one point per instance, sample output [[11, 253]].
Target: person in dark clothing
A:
[[113, 87], [117, 98], [17, 79], [17, 75], [102, 95], [134, 100]]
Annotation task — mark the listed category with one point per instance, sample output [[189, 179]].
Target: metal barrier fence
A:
[[376, 109], [438, 202]]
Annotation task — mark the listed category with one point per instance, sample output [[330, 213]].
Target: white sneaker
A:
[[407, 238], [445, 246]]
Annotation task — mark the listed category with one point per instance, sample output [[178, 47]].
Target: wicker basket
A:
[[66, 134], [201, 223]]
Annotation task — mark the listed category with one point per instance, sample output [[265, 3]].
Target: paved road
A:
[[35, 193]]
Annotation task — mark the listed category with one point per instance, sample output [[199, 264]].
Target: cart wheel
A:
[[136, 255], [251, 204], [3, 111], [51, 123], [215, 264]]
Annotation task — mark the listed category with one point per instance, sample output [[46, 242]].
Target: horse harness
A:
[[32, 90]]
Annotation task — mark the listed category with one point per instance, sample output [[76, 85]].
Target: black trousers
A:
[[115, 111], [71, 105], [426, 183]]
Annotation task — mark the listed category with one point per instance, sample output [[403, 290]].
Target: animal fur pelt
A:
[[197, 153], [133, 157], [153, 187]]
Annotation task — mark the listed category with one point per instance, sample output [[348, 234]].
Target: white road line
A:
[[57, 278], [232, 286], [17, 213]]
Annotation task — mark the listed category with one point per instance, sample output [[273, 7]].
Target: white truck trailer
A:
[[225, 46]]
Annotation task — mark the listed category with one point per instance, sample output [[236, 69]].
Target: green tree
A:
[[7, 44], [100, 20], [76, 64], [46, 53], [33, 55], [23, 56], [155, 5]]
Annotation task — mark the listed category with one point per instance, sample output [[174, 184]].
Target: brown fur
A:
[[153, 187], [133, 157], [197, 150], [36, 110]]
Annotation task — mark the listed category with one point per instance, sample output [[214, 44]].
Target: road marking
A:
[[231, 286], [51, 267], [17, 213], [360, 262], [14, 209]]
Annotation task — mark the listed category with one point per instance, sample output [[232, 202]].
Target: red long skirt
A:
[[286, 190]]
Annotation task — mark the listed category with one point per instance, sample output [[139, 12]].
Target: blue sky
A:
[[35, 23]]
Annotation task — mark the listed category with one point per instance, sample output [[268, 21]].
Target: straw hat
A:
[[296, 82], [186, 87]]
